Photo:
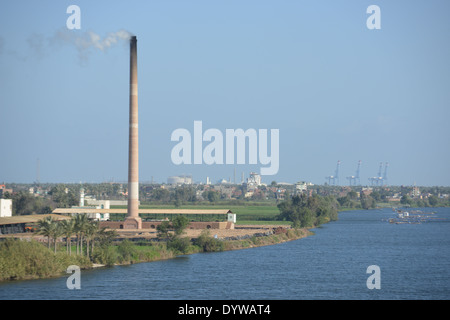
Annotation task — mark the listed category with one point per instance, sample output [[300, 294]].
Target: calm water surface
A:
[[414, 260]]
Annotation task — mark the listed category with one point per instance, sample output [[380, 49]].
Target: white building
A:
[[82, 197], [179, 180], [254, 179], [231, 217], [302, 186], [415, 193], [103, 204], [5, 207], [92, 215]]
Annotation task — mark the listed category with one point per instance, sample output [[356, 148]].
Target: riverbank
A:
[[140, 248], [24, 260], [280, 235], [24, 257]]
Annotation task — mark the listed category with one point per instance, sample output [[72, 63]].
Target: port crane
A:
[[336, 175], [353, 180], [385, 173], [379, 180]]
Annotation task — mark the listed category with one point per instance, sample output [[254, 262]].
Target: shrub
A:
[[105, 254], [208, 243], [163, 230], [179, 244], [28, 260], [126, 250]]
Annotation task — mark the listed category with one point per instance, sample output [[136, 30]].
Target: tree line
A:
[[96, 244], [308, 211], [87, 233], [371, 201], [172, 231], [25, 203]]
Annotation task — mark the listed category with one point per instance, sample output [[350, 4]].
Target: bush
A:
[[308, 211], [105, 254], [179, 244], [30, 260], [127, 251], [179, 224], [208, 243], [163, 230]]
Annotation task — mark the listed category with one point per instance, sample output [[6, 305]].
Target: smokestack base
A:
[[132, 223]]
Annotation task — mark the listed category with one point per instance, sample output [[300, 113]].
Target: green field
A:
[[251, 214]]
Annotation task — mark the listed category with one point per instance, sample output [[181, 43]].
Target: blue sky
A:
[[312, 69]]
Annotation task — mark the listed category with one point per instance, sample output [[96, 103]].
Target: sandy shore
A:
[[239, 231]]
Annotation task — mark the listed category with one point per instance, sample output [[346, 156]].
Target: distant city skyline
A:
[[335, 89]]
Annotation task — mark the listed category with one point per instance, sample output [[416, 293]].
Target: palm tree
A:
[[81, 224], [46, 227], [57, 231], [68, 227], [76, 229], [51, 229], [90, 233], [105, 237]]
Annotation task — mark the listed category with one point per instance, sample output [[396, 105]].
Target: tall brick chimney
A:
[[133, 221]]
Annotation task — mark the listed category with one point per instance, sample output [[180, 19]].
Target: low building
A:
[[366, 191], [210, 218], [98, 216], [280, 195], [5, 207], [224, 191], [4, 190], [103, 204], [18, 224], [415, 193]]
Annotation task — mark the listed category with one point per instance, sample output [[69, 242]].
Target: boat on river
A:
[[411, 217]]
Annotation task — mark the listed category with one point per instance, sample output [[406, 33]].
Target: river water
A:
[[413, 261]]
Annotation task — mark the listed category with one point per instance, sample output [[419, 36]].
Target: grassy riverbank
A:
[[33, 260], [289, 235]]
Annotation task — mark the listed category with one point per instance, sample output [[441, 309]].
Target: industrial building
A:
[[100, 204], [210, 219], [254, 179], [93, 215], [17, 224], [178, 180]]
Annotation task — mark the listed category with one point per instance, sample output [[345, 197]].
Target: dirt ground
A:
[[239, 231]]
